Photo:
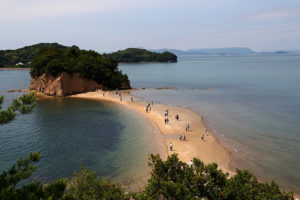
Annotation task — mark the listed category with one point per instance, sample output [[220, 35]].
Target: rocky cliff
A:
[[63, 85]]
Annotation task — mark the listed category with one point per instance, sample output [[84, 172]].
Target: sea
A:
[[69, 133], [251, 103]]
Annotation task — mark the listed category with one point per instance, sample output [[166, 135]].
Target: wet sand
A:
[[208, 150]]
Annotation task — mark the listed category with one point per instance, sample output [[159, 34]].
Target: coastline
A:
[[208, 150], [12, 68]]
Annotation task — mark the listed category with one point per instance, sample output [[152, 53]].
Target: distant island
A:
[[132, 55], [223, 51], [59, 71], [22, 57]]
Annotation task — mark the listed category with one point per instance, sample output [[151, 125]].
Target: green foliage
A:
[[23, 104], [170, 179], [9, 58], [7, 115], [90, 65], [33, 191], [85, 185], [1, 101], [174, 179], [141, 55]]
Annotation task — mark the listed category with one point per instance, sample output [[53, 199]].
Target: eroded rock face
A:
[[63, 85]]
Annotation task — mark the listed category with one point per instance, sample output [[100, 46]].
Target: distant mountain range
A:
[[223, 51]]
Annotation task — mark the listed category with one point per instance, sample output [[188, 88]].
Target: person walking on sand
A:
[[177, 117], [202, 137], [184, 137], [131, 99], [146, 108], [180, 137], [104, 94], [121, 99], [191, 162], [171, 146], [165, 120]]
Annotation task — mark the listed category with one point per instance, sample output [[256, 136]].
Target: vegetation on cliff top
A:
[[22, 57], [141, 55], [90, 65]]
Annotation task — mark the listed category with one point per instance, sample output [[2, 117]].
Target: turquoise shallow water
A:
[[104, 137], [252, 106]]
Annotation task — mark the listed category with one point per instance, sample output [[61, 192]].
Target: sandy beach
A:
[[208, 150]]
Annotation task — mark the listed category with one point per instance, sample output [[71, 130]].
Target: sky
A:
[[111, 25]]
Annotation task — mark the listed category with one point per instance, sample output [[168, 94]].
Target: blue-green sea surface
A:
[[251, 103], [110, 139]]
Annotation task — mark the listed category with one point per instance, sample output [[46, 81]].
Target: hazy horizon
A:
[[175, 24]]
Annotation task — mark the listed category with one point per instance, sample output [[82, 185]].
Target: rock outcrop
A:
[[63, 85]]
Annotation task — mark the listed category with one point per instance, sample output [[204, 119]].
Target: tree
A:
[[89, 64], [9, 180], [174, 179], [141, 55], [23, 105], [85, 185]]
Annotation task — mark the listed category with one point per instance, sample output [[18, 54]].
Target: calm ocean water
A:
[[104, 137], [252, 106]]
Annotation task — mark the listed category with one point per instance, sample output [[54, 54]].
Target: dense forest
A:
[[141, 55], [22, 57], [90, 65], [10, 58]]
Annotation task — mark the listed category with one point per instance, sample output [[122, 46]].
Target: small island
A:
[[22, 57], [65, 71], [133, 55]]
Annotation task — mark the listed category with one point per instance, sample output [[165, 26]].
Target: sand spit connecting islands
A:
[[207, 149]]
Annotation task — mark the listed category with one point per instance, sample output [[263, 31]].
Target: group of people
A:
[[166, 120], [166, 113], [182, 137]]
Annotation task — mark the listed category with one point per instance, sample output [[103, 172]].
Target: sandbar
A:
[[208, 150]]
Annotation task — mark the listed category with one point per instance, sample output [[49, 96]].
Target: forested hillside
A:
[[141, 55], [10, 58], [91, 65]]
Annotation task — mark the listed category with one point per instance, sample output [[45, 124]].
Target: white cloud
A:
[[286, 13]]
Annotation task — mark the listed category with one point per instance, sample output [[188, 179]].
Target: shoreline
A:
[[208, 150], [155, 117], [12, 68]]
